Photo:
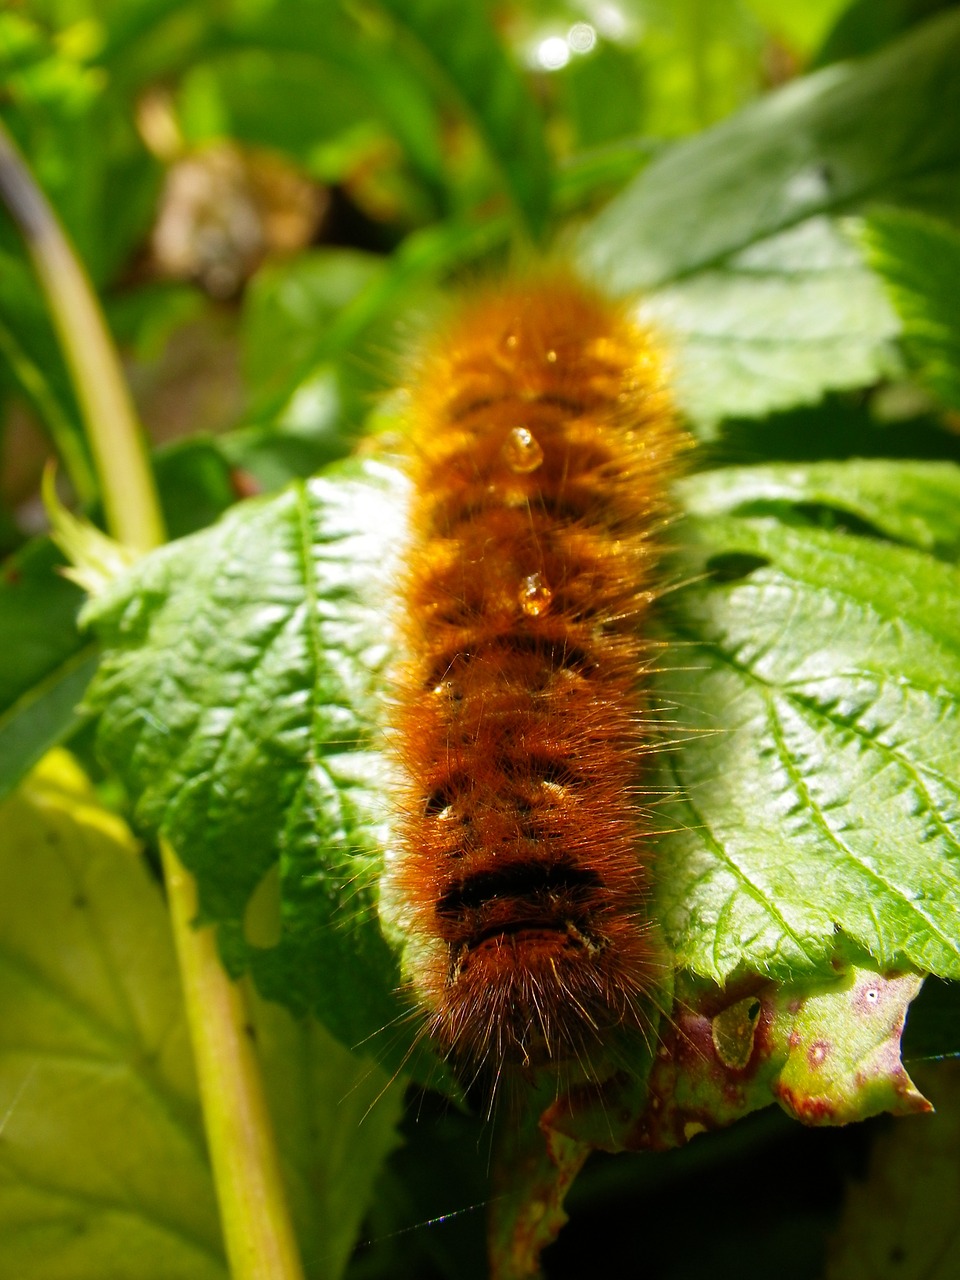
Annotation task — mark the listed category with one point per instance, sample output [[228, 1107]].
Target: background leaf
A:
[[103, 1167], [49, 664], [35, 366], [102, 1162], [290, 311], [911, 502], [758, 294], [274, 101], [336, 1116], [462, 52], [865, 25], [919, 261]]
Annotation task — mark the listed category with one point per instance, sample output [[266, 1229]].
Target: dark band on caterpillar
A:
[[542, 438]]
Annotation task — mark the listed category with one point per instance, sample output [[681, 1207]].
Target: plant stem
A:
[[129, 497], [256, 1223], [260, 1241]]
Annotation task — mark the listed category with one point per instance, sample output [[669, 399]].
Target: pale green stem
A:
[[129, 496], [256, 1223], [239, 1130]]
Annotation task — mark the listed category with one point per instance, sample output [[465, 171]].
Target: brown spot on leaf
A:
[[818, 1053]]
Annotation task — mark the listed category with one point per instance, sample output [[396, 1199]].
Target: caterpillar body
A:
[[541, 438]]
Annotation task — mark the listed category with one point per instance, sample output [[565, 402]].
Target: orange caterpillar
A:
[[541, 439]]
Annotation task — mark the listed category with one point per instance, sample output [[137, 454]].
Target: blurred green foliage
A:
[[270, 197]]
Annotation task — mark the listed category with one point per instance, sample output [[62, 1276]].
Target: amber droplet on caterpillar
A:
[[541, 440]]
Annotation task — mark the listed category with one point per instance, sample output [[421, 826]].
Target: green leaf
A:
[[460, 50], [911, 502], [777, 325], [325, 352], [102, 1163], [802, 26], [288, 313], [146, 42], [826, 143], [195, 483], [919, 261], [865, 25], [238, 703], [336, 1117], [729, 232], [604, 95], [48, 664], [103, 1168], [819, 676], [84, 149], [699, 62], [361, 72], [29, 350], [653, 70]]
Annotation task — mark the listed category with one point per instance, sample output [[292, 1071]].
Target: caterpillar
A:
[[541, 436]]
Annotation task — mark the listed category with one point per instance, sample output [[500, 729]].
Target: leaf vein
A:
[[739, 873], [820, 820]]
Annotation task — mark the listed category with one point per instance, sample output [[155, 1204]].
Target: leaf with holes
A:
[[828, 1054]]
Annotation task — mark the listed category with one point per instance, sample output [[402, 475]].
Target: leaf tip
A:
[[95, 559]]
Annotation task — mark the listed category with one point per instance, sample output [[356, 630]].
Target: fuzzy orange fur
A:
[[541, 439]]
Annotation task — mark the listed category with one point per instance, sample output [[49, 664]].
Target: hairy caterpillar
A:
[[541, 437]]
